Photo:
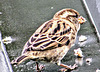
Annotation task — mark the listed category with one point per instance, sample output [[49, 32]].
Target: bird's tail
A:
[[19, 60]]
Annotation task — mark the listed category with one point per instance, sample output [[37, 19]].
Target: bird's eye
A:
[[75, 16]]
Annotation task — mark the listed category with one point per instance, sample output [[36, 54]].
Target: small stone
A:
[[82, 38], [0, 13], [7, 40], [22, 70], [51, 7]]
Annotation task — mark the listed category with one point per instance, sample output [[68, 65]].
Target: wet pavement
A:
[[20, 18]]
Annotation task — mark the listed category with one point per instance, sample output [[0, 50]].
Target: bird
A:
[[53, 39]]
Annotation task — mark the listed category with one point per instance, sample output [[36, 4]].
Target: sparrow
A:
[[53, 39]]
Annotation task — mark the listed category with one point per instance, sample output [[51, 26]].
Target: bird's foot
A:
[[40, 68], [63, 70], [69, 68], [73, 67]]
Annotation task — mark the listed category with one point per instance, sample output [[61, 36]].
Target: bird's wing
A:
[[53, 33]]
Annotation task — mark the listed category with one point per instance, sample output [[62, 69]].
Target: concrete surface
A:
[[20, 18]]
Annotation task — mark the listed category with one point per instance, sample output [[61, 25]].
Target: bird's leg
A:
[[69, 67], [39, 68], [66, 67]]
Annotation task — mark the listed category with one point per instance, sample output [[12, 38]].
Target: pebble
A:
[[7, 40], [51, 7], [82, 38], [0, 13]]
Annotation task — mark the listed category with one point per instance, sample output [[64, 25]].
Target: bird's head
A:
[[70, 14]]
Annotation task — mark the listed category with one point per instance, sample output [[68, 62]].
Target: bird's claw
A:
[[73, 67], [41, 67], [69, 69]]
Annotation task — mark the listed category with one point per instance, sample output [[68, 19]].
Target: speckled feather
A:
[[52, 40], [54, 32]]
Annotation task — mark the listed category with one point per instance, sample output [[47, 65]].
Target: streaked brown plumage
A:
[[52, 40]]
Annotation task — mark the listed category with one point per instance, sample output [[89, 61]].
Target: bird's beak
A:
[[81, 20]]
